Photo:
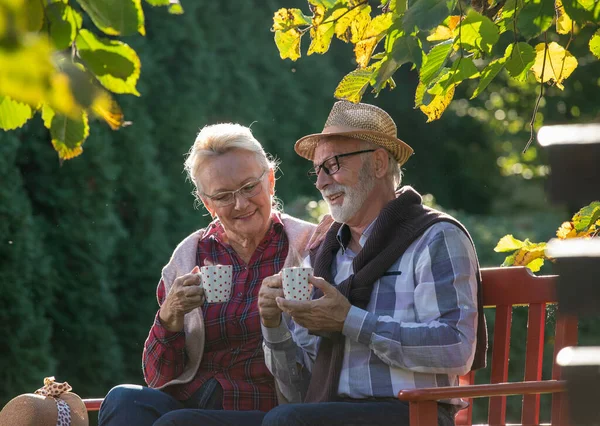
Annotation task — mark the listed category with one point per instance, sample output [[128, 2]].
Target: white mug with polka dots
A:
[[216, 281], [295, 283]]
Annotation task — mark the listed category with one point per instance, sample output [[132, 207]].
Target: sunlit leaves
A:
[[284, 19], [438, 105], [174, 7], [434, 61], [595, 44], [114, 63], [488, 74], [462, 69], [405, 49], [321, 32], [525, 253], [35, 15], [535, 17], [13, 114], [353, 85], [557, 64], [582, 10], [115, 17], [564, 24], [587, 217], [64, 22], [106, 108], [68, 134], [427, 14], [351, 23], [25, 73], [288, 43], [478, 32], [373, 34], [519, 59]]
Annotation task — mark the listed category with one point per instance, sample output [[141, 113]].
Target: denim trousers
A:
[[359, 413], [133, 405]]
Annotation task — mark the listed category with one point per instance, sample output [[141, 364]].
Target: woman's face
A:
[[245, 217]]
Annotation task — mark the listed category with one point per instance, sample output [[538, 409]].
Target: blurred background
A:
[[82, 243]]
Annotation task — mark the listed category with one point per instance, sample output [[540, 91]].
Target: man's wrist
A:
[[271, 323]]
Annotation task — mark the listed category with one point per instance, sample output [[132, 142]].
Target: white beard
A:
[[354, 196]]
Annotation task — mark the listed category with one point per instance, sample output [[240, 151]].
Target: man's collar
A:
[[344, 235]]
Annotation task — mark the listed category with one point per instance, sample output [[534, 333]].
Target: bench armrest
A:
[[93, 404], [481, 391]]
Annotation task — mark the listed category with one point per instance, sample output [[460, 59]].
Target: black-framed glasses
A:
[[248, 190], [332, 164]]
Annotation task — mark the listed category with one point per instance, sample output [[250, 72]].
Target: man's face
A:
[[346, 190]]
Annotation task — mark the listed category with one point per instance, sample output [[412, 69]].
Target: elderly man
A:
[[396, 289]]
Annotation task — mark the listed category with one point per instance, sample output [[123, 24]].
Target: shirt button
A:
[[239, 294]]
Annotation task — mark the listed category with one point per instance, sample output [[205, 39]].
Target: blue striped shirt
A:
[[418, 330]]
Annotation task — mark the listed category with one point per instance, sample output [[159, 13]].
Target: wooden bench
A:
[[503, 288]]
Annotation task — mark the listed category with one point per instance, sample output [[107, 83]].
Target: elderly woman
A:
[[202, 355]]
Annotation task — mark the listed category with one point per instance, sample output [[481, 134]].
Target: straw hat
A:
[[358, 121], [50, 405]]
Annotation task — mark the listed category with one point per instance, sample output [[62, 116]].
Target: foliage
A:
[[50, 64], [446, 41], [584, 224]]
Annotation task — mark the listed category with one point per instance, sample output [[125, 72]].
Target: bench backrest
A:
[[504, 288]]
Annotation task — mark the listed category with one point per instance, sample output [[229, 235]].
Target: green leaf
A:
[[587, 216], [509, 261], [488, 74], [68, 135], [508, 243], [321, 38], [434, 61], [285, 19], [175, 8], [505, 20], [34, 14], [64, 24], [462, 69], [13, 114], [519, 59], [354, 84], [595, 44], [427, 14], [114, 63], [535, 17], [535, 264], [288, 43], [405, 49], [116, 17], [477, 32], [581, 11], [158, 2]]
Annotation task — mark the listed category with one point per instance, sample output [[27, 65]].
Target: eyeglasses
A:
[[226, 198], [332, 164]]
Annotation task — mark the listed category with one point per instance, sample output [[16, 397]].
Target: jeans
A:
[[363, 413], [133, 405]]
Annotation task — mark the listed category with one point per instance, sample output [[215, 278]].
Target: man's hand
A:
[[321, 315], [184, 296], [271, 288], [319, 235]]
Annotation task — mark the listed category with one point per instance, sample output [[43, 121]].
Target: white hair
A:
[[218, 139], [394, 172]]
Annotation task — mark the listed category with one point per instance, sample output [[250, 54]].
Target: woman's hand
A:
[[319, 235], [271, 288], [184, 296]]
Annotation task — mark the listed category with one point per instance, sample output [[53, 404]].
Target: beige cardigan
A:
[[183, 261]]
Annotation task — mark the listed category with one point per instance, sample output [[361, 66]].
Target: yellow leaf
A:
[[363, 50], [105, 107], [566, 230], [508, 243], [284, 19], [360, 25], [438, 105], [559, 64], [526, 255], [564, 24], [441, 33], [452, 21], [288, 43], [60, 97], [321, 38], [378, 25], [536, 264]]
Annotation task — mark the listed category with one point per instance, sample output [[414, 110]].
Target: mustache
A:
[[330, 190]]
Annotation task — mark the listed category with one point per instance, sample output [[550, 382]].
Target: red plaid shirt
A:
[[233, 352]]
